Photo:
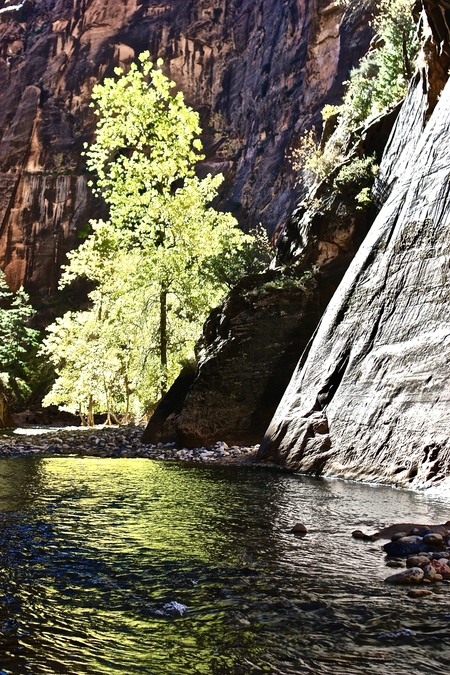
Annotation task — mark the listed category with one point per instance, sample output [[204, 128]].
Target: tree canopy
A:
[[18, 341], [159, 263]]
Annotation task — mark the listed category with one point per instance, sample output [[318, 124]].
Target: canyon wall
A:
[[370, 400], [258, 73]]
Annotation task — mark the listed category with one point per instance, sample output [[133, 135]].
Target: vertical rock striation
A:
[[372, 399]]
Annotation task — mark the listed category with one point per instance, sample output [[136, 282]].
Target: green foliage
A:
[[382, 77], [305, 282], [356, 175], [248, 255], [160, 262], [379, 82], [18, 342]]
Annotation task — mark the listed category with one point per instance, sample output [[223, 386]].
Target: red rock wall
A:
[[258, 72]]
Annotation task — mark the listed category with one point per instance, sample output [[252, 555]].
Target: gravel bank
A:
[[113, 442]]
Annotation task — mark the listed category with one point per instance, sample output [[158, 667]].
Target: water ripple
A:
[[139, 567]]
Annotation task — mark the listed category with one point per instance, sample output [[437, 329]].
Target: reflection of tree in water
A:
[[92, 550], [20, 483]]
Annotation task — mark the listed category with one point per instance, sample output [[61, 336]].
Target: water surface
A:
[[93, 550]]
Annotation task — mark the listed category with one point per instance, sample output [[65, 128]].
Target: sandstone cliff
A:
[[259, 73], [252, 343], [371, 398]]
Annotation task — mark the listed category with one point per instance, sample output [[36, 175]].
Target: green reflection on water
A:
[[92, 549], [107, 544]]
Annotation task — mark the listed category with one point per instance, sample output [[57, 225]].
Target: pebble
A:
[[299, 528], [115, 442], [419, 592]]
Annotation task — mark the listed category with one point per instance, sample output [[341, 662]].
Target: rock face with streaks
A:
[[372, 399], [246, 355], [259, 73]]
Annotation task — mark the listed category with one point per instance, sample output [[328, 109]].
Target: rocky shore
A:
[[422, 553], [113, 442]]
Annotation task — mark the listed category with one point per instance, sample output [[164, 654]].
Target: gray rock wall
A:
[[372, 399]]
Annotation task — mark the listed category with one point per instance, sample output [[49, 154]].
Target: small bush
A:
[[356, 176], [309, 156]]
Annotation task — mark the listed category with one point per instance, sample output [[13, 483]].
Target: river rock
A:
[[299, 528], [441, 568], [417, 561], [405, 546], [419, 592], [433, 541], [429, 572], [395, 563], [413, 575], [399, 535]]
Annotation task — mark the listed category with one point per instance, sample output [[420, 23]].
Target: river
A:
[[139, 567]]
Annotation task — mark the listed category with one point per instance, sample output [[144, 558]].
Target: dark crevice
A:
[[326, 394]]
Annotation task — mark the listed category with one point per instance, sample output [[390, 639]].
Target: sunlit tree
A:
[[155, 263]]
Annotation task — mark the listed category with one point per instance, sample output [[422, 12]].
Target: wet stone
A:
[[412, 575], [116, 442], [419, 592], [417, 561], [405, 546]]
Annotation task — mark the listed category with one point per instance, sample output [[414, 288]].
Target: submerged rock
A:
[[412, 575], [419, 592]]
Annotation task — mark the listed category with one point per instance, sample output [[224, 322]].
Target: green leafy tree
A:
[[383, 75], [18, 341], [155, 262]]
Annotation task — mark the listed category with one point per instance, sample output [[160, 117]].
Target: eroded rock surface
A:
[[259, 73], [378, 370], [246, 356]]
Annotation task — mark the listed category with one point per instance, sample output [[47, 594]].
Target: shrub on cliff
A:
[[378, 83], [155, 262], [381, 80]]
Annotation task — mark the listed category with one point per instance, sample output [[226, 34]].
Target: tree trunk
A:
[[163, 340], [126, 419], [90, 412], [406, 63], [5, 416]]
